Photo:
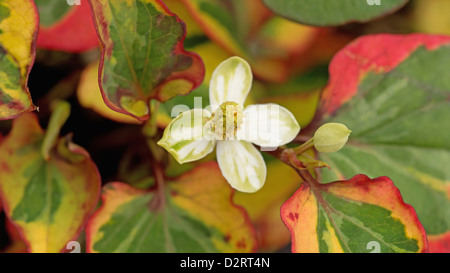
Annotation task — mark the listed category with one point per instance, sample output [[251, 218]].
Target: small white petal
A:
[[230, 81], [242, 165], [268, 125], [185, 139]]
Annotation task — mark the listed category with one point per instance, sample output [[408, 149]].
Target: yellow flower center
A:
[[226, 120]]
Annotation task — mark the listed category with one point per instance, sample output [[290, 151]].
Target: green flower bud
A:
[[331, 137]]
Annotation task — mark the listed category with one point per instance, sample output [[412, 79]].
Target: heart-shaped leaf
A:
[[48, 200], [18, 29], [142, 55], [197, 216], [333, 12], [393, 92], [355, 216], [66, 27]]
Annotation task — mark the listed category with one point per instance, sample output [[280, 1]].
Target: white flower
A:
[[194, 134]]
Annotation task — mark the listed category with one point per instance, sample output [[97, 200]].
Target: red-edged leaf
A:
[[66, 27], [90, 96], [352, 216], [47, 199], [371, 54], [196, 214], [393, 92], [18, 29], [142, 55]]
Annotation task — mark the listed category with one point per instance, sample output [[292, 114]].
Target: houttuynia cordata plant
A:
[[224, 126]]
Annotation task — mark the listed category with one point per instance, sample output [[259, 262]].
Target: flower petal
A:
[[268, 125], [242, 165], [230, 81], [185, 139]]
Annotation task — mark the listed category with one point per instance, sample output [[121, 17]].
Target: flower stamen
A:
[[226, 120]]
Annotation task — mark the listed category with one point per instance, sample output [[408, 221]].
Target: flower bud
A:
[[331, 137]]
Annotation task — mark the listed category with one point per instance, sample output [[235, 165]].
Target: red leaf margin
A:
[[29, 66], [16, 244], [358, 181], [127, 188], [378, 53], [179, 49], [74, 149]]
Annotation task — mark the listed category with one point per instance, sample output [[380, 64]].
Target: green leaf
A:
[[352, 216], [48, 200], [397, 105], [52, 11], [142, 55], [333, 12], [18, 29], [195, 214]]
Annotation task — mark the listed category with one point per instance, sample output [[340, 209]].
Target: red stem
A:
[[160, 197], [289, 157]]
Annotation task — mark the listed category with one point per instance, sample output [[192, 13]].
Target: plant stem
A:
[[59, 116], [151, 127], [150, 131], [160, 198], [305, 146], [156, 151], [289, 157], [308, 178]]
